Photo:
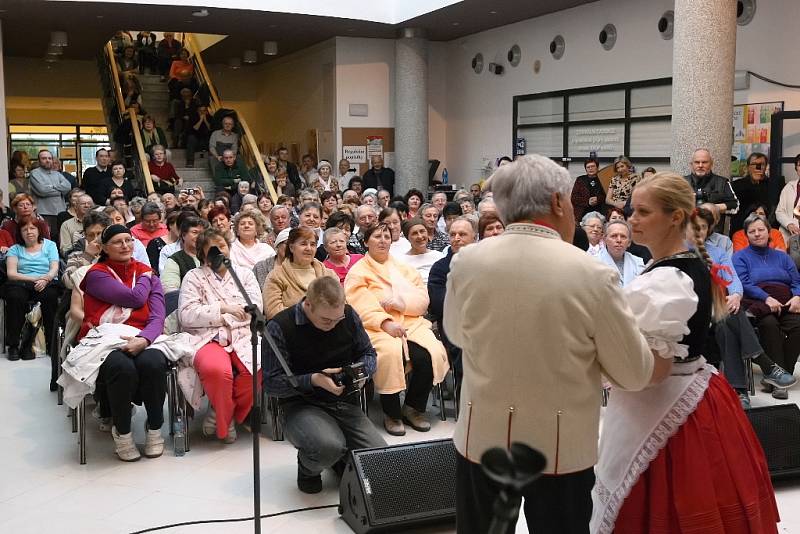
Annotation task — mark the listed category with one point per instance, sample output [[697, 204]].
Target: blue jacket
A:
[[757, 265], [721, 257]]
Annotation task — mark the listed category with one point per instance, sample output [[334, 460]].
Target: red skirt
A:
[[711, 478]]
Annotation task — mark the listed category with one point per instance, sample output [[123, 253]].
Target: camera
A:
[[352, 377], [700, 197]]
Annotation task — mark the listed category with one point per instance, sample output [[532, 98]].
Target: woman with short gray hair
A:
[[592, 223], [339, 260]]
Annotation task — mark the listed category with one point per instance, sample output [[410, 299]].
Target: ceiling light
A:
[[235, 63], [493, 12], [456, 23], [270, 48], [58, 38], [250, 56], [200, 13]]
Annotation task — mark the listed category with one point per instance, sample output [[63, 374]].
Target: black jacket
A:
[[714, 189], [382, 179], [749, 194]]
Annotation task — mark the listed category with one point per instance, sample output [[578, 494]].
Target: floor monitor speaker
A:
[[399, 487], [778, 430]]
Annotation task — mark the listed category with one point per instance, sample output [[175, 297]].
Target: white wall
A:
[[479, 107]]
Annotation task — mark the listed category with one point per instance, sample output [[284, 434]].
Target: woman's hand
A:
[[794, 304], [93, 248], [324, 381], [734, 303], [40, 284], [3, 250], [774, 305], [393, 329], [134, 345], [237, 311]]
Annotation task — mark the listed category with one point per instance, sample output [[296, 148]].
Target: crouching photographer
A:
[[328, 350]]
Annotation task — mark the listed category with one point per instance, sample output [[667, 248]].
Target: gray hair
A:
[[138, 202], [473, 222], [277, 208], [330, 232], [150, 208], [462, 194], [624, 223], [523, 189], [753, 217], [369, 194], [311, 193], [427, 206], [368, 207], [593, 215], [485, 202]]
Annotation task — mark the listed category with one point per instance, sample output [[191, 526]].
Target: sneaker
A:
[[231, 437], [767, 388], [308, 484], [210, 423], [416, 419], [744, 398], [124, 446], [779, 378], [394, 426], [153, 442], [780, 393]]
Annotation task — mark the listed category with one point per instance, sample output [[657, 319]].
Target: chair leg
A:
[[275, 419], [748, 371], [264, 404], [440, 393], [456, 393], [81, 412], [362, 397], [171, 401], [73, 413]]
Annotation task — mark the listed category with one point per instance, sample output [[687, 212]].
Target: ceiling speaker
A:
[[666, 25], [477, 63], [608, 36], [496, 69], [514, 55], [745, 11], [557, 47]]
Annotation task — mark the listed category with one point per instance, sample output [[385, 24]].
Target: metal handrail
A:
[[248, 144]]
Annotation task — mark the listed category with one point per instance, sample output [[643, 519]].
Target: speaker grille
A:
[[409, 482], [778, 430]]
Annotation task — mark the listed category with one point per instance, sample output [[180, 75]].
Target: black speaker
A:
[[399, 487], [778, 430]]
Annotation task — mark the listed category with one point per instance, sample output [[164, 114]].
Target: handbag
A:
[[30, 328]]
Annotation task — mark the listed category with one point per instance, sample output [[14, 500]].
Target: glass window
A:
[[547, 140], [606, 139], [597, 106], [651, 101], [540, 110], [651, 139]]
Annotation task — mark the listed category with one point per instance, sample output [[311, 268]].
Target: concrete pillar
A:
[[411, 111], [703, 63], [4, 155]]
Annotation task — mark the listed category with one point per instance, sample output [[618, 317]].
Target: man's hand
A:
[[774, 305], [793, 228], [734, 303], [393, 329], [135, 345], [324, 381], [40, 284]]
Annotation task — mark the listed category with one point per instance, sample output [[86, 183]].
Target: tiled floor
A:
[[44, 489]]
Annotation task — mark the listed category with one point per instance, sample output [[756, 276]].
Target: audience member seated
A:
[[338, 259], [325, 176], [229, 172], [181, 75], [735, 337], [86, 249], [212, 310], [615, 253], [490, 225], [391, 300], [330, 204], [419, 256], [370, 198], [486, 206], [24, 207], [752, 189], [124, 133], [242, 189], [181, 111], [31, 267], [310, 216], [162, 172], [430, 217], [772, 295], [344, 222], [282, 185], [186, 258], [48, 187], [280, 219], [265, 206], [71, 202], [146, 51], [391, 218], [224, 139], [592, 223], [152, 136], [785, 211], [289, 280], [72, 229], [220, 218], [247, 250], [131, 90], [739, 238], [168, 50], [118, 180], [383, 198], [127, 60], [95, 178], [323, 420], [264, 267], [622, 183], [120, 40], [151, 226], [139, 250], [414, 200], [119, 289], [18, 181], [198, 133]]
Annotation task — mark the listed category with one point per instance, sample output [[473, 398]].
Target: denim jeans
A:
[[323, 432]]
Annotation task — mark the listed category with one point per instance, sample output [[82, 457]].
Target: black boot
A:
[[13, 353]]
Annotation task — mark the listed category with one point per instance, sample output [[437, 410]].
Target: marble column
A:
[[4, 155], [411, 111], [703, 63]]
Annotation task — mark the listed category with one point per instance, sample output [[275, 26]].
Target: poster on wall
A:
[[355, 154], [374, 146], [752, 124]]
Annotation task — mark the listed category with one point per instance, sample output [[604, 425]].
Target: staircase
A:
[[155, 100]]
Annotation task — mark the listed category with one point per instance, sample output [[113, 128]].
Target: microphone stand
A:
[[257, 324]]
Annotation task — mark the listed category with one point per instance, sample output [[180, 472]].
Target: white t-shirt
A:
[[421, 262]]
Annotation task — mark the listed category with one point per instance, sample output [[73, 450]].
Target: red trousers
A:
[[230, 396]]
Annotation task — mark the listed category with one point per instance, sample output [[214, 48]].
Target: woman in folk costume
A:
[[120, 290], [211, 310], [391, 300], [680, 456]]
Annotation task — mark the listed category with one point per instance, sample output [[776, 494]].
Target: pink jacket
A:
[[202, 293]]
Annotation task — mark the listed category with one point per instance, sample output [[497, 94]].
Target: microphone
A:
[[216, 258]]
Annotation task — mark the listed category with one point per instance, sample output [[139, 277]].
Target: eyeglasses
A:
[[331, 322], [127, 242]]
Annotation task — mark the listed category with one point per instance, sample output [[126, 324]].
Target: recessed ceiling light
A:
[[200, 13], [456, 23], [493, 12], [99, 16]]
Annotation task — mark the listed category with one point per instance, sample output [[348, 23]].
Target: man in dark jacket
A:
[[710, 187], [95, 178], [291, 168], [379, 177], [752, 190]]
